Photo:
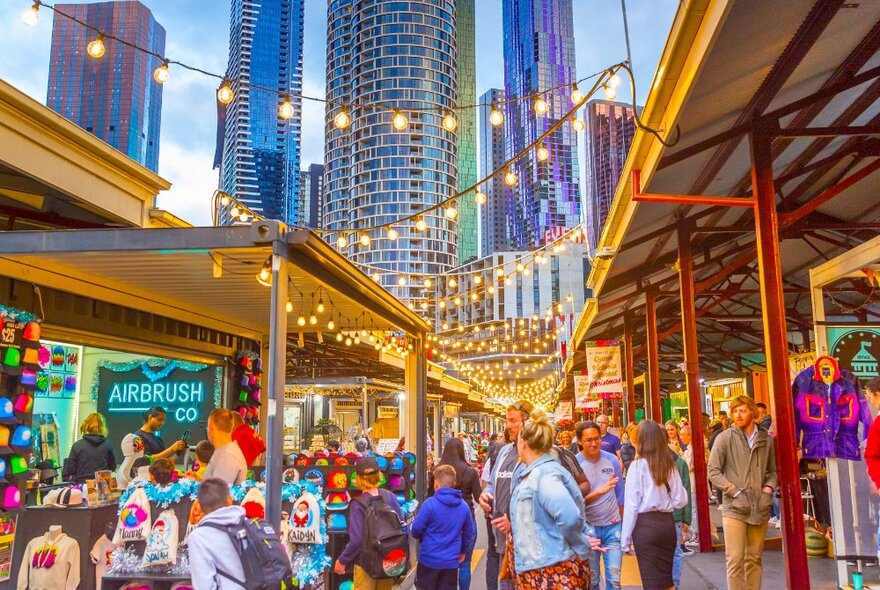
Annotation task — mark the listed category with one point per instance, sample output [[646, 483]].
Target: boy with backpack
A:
[[445, 526], [378, 546], [228, 551]]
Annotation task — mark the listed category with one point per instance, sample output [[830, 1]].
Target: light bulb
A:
[[265, 274], [342, 120], [578, 124], [451, 212], [339, 337], [424, 305], [225, 200], [341, 242], [519, 267], [576, 95], [234, 211], [428, 283], [320, 306], [442, 305], [96, 48], [449, 122], [313, 319], [490, 289], [453, 283], [243, 217], [289, 307], [31, 16], [500, 272], [473, 296], [161, 74], [480, 197], [610, 93], [224, 93], [364, 240], [510, 178], [301, 320], [542, 153], [376, 277], [496, 117], [401, 281], [541, 106], [399, 121], [286, 111], [614, 81], [478, 279], [392, 234], [457, 301], [348, 341], [421, 225], [331, 325]]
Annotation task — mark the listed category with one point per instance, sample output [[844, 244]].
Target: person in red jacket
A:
[[250, 443]]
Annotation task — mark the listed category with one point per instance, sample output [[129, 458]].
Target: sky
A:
[[198, 34]]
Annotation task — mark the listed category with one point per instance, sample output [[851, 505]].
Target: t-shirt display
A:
[[100, 556], [51, 562], [829, 406]]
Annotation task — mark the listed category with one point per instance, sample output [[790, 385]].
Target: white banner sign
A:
[[563, 412], [605, 374], [581, 391]]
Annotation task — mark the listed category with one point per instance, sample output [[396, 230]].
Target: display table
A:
[[83, 523]]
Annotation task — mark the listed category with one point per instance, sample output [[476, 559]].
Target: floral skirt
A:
[[567, 575]]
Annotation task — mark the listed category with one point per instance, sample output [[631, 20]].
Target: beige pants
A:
[[364, 582], [743, 546]]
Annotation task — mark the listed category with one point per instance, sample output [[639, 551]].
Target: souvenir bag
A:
[[305, 521], [254, 504], [134, 519], [162, 542]]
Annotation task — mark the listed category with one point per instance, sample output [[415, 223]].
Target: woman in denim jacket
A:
[[550, 534]]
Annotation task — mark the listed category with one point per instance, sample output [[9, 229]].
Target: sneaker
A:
[[687, 552], [773, 521], [692, 543]]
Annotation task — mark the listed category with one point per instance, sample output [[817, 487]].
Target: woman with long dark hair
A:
[[466, 480], [653, 490]]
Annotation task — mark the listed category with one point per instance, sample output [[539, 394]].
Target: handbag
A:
[[506, 571]]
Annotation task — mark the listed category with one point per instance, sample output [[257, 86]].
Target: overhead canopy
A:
[[731, 67]]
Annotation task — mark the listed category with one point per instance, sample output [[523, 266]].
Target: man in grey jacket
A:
[[743, 466], [213, 560]]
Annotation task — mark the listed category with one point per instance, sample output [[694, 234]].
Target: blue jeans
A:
[[678, 558], [464, 571], [493, 560], [610, 537]]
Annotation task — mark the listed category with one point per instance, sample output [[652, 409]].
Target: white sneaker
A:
[[774, 521]]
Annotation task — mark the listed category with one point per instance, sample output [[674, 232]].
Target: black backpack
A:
[[384, 544], [263, 558]]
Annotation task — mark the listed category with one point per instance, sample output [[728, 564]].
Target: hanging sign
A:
[[605, 374], [856, 348], [563, 412], [581, 391]]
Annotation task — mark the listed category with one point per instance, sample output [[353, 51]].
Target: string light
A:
[[342, 120], [449, 122], [286, 110], [614, 81], [610, 93], [313, 319], [452, 283], [399, 121], [341, 242], [392, 234], [541, 106], [496, 117], [578, 124], [161, 74], [301, 320], [224, 93], [480, 197], [320, 306], [478, 279], [264, 277], [510, 178], [451, 212], [421, 225], [377, 277], [364, 240], [31, 16], [289, 307], [243, 217], [428, 284], [331, 325], [543, 153], [576, 95], [401, 281], [96, 48]]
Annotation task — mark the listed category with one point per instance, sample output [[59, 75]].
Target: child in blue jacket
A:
[[445, 527]]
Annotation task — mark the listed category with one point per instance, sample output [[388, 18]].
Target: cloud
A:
[[193, 182]]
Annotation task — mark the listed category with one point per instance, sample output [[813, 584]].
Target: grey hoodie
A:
[[210, 548]]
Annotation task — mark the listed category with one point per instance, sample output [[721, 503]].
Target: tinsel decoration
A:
[[124, 560], [164, 496], [17, 315]]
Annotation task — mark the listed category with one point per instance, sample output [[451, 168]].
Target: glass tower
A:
[[494, 215], [401, 54], [467, 128], [114, 97], [261, 152], [610, 127], [539, 54]]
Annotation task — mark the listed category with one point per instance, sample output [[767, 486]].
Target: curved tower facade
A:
[[402, 55]]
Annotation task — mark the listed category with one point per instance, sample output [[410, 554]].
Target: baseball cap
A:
[[28, 378], [2, 470], [21, 439], [4, 440], [303, 460], [396, 482], [367, 466], [337, 522], [352, 480], [24, 404], [396, 465], [382, 462], [7, 415], [63, 497], [401, 499], [410, 458], [337, 480], [11, 498], [315, 476], [340, 461], [290, 475], [132, 446], [18, 465], [338, 501], [31, 331], [322, 462]]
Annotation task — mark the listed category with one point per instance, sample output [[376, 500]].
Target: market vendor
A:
[[154, 446]]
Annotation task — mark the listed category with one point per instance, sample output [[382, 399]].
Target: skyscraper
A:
[[494, 214], [401, 54], [311, 195], [261, 151], [539, 54], [610, 128], [465, 35], [115, 96]]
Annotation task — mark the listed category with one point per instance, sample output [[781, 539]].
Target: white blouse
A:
[[643, 495]]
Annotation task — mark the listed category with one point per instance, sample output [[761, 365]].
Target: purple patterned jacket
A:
[[829, 416]]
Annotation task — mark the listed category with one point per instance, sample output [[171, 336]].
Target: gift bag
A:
[[305, 521], [134, 519], [254, 504], [162, 542]]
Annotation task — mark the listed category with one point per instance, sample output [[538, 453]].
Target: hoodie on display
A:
[[211, 549], [89, 454], [445, 526]]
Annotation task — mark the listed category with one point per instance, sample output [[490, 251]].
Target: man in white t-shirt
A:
[[227, 462]]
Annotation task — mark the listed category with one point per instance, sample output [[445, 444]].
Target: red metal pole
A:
[[630, 369], [797, 572], [653, 346], [692, 374]]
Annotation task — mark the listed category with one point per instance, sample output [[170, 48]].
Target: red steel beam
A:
[[653, 348], [692, 377], [638, 195], [628, 331], [767, 222], [787, 219]]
